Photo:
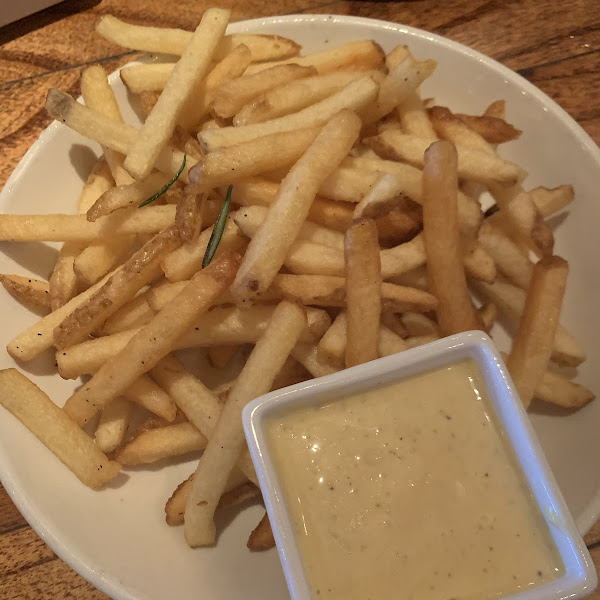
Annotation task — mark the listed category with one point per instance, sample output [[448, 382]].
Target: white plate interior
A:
[[117, 538]]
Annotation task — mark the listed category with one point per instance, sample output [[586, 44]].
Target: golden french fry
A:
[[445, 270], [230, 97], [354, 96], [307, 354], [557, 389], [55, 430], [150, 77], [494, 130], [163, 442], [122, 285], [477, 262], [364, 55], [394, 322], [188, 71], [417, 324], [496, 109], [261, 537], [220, 356], [227, 441], [174, 41], [114, 420], [75, 228], [363, 292], [383, 197], [132, 314], [153, 341], [510, 300], [348, 184], [472, 165], [487, 315], [28, 291], [532, 345], [267, 250], [145, 392], [414, 118], [101, 256], [226, 165], [551, 201], [450, 127], [189, 215], [293, 97]]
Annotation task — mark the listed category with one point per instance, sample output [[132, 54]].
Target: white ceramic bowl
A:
[[579, 578], [117, 539]]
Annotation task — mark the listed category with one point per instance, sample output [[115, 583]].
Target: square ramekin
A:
[[579, 578]]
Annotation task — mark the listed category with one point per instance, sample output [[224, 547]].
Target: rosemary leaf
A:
[[217, 232], [167, 185]]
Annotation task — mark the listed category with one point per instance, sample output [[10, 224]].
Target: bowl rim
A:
[[579, 577]]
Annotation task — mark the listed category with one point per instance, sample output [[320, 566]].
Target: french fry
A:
[[133, 314], [189, 215], [496, 109], [149, 395], [323, 290], [307, 354], [40, 336], [231, 96], [532, 345], [261, 537], [414, 119], [122, 285], [363, 292], [250, 219], [445, 271], [383, 197], [487, 315], [472, 164], [268, 248], [99, 257], [364, 55], [227, 165], [174, 41], [557, 389], [238, 490], [348, 184], [109, 133], [477, 262], [153, 341], [394, 322], [189, 70], [126, 196], [221, 325], [75, 228], [402, 80], [150, 77], [353, 97], [551, 201], [55, 430], [494, 130], [510, 300], [506, 254], [114, 420], [227, 441], [158, 444], [293, 97], [450, 127], [418, 324], [420, 340], [28, 291], [182, 263]]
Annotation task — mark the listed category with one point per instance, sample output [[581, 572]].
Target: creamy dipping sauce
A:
[[409, 491]]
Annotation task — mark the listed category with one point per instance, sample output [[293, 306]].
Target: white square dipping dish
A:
[[579, 578]]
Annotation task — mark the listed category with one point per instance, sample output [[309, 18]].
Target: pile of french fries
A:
[[356, 231]]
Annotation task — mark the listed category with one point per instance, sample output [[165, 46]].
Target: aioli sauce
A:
[[409, 491]]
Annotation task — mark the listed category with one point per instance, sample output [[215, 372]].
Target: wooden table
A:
[[554, 45]]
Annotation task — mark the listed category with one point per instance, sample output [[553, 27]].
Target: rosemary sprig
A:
[[217, 232], [167, 185]]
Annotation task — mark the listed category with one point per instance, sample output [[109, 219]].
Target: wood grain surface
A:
[[555, 45]]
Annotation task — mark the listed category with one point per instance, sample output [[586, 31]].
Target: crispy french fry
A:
[[532, 345], [230, 97], [227, 441], [220, 356], [163, 442], [383, 197], [148, 394], [153, 341], [150, 77], [109, 133], [414, 118], [99, 257], [174, 41], [307, 354], [551, 201], [494, 130], [114, 420], [394, 322], [268, 248], [445, 271], [28, 291], [352, 97], [75, 228], [364, 55], [188, 71], [189, 215], [472, 164], [348, 184], [418, 324], [123, 285], [55, 430], [496, 109], [557, 389], [450, 127], [477, 262], [293, 97], [510, 300], [261, 537], [132, 314], [226, 165], [363, 292]]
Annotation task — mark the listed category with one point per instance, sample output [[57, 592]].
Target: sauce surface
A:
[[409, 491]]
